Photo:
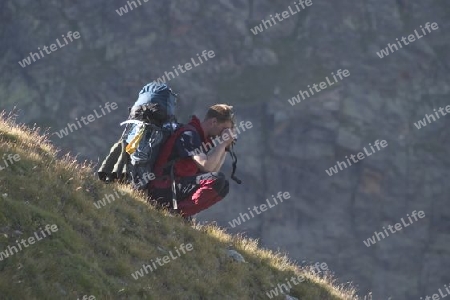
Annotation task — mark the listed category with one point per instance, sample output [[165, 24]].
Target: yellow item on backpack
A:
[[132, 146]]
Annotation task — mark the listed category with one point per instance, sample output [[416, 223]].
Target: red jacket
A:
[[184, 166]]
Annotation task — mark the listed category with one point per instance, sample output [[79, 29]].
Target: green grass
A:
[[95, 251]]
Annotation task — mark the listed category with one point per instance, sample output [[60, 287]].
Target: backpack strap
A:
[[163, 162], [166, 150]]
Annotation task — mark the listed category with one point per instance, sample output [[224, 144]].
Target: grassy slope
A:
[[95, 250]]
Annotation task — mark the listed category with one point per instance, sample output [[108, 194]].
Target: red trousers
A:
[[195, 193]]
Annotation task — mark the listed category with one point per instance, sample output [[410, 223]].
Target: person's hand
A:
[[227, 136]]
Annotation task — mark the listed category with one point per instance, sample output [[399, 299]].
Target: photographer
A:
[[197, 177]]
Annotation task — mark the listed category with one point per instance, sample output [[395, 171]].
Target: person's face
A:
[[217, 127]]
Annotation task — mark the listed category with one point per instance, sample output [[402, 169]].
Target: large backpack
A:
[[151, 121]]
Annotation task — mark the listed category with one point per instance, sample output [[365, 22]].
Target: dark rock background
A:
[[289, 147]]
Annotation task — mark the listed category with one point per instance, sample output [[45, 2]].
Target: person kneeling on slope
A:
[[188, 177]]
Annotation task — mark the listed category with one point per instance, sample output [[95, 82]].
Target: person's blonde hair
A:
[[222, 112]]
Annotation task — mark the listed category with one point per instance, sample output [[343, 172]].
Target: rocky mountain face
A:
[[290, 147]]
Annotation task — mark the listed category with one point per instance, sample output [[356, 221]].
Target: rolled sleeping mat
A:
[[106, 169], [117, 172]]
